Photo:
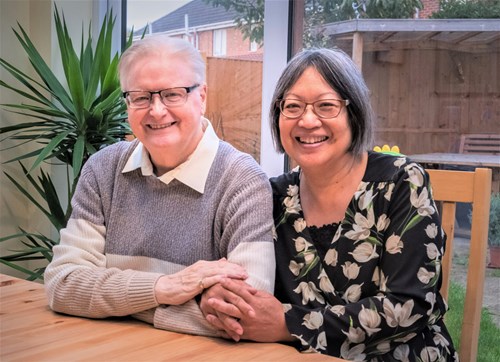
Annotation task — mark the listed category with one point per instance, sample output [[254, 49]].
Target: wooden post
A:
[[357, 49]]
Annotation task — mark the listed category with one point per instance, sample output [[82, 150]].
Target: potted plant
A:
[[494, 231], [70, 123]]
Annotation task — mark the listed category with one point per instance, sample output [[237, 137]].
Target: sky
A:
[[140, 12]]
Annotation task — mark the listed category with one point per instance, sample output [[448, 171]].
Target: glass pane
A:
[[431, 81], [433, 73], [234, 60]]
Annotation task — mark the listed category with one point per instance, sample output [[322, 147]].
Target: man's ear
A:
[[203, 95]]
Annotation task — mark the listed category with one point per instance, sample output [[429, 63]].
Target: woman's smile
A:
[[309, 140]]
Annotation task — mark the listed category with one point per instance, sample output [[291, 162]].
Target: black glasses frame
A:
[[188, 90]]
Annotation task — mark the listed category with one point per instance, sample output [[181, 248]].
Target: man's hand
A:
[[184, 285]]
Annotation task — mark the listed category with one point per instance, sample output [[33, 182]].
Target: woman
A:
[[358, 237]]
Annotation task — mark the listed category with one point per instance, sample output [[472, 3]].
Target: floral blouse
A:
[[368, 287]]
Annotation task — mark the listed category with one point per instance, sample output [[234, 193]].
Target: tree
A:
[[250, 19], [468, 9]]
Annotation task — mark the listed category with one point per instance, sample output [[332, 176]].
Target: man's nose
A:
[[157, 106]]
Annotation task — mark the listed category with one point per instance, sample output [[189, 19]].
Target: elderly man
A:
[[157, 220]]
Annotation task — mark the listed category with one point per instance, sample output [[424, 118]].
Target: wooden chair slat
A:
[[450, 187]]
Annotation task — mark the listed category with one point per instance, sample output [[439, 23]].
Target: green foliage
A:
[[381, 9], [489, 349], [71, 123], [250, 19], [494, 226], [468, 9], [317, 12]]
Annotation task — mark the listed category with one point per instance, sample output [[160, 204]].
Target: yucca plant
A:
[[72, 120]]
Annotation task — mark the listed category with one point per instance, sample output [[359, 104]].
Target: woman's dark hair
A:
[[340, 72]]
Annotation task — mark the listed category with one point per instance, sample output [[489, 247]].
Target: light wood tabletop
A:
[[30, 331], [458, 159], [441, 160]]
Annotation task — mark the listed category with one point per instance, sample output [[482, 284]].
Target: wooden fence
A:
[[424, 99], [234, 102]]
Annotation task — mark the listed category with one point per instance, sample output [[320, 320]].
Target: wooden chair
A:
[[450, 187], [480, 143]]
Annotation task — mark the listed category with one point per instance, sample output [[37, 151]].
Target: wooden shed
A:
[[431, 80]]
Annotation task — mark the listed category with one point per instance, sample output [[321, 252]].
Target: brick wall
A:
[[429, 7], [205, 44], [236, 46], [235, 43]]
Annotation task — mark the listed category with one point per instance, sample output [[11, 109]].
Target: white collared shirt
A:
[[193, 172]]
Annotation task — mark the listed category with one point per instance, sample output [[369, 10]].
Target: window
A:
[[219, 42], [254, 46], [235, 104], [427, 88]]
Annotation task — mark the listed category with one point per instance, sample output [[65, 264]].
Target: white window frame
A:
[[219, 42], [276, 35]]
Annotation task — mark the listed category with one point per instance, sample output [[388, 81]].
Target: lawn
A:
[[489, 343]]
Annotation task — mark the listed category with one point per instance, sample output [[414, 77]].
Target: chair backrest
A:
[[480, 144], [450, 187]]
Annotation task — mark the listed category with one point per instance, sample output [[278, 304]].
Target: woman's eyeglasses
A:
[[324, 108]]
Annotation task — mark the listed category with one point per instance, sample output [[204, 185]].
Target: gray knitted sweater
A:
[[127, 230]]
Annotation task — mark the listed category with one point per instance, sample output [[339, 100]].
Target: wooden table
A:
[[460, 159], [463, 159], [30, 331]]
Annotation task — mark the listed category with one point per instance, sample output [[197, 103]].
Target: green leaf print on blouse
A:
[[291, 204], [307, 252], [420, 202]]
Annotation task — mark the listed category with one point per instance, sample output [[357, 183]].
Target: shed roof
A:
[[469, 35]]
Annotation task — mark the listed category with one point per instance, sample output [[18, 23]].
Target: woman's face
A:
[[163, 130], [309, 140]]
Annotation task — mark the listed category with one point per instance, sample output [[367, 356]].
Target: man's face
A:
[[169, 133]]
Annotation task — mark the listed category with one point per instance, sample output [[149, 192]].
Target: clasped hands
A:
[[233, 307], [240, 311]]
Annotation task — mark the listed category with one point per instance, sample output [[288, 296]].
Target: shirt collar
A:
[[193, 172]]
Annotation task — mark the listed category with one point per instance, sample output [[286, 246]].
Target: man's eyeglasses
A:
[[324, 108], [170, 97]]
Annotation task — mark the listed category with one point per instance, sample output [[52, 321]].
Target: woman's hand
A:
[[184, 285], [227, 323], [246, 313]]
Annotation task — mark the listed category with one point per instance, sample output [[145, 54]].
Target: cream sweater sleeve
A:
[[78, 282]]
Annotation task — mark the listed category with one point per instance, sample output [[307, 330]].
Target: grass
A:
[[489, 346], [495, 273]]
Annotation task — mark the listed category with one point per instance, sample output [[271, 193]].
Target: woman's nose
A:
[[309, 119]]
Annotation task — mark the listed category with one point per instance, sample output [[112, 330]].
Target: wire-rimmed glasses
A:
[[324, 108], [170, 97]]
